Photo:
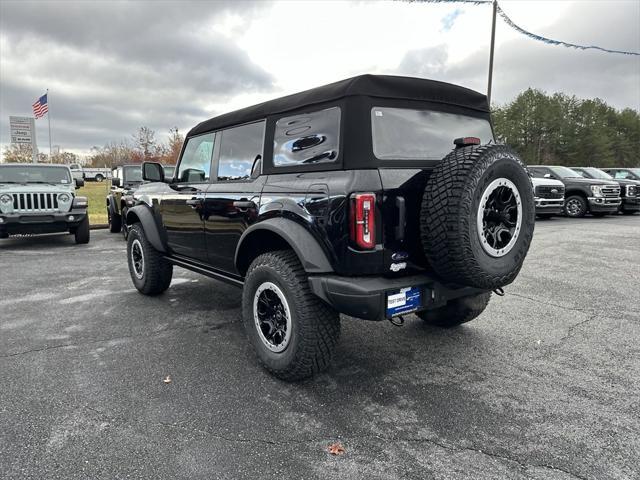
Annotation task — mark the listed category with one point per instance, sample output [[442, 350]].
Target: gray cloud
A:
[[523, 62], [112, 68]]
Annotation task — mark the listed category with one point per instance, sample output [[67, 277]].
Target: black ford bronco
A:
[[375, 197]]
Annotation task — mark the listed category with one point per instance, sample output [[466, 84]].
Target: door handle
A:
[[194, 202], [244, 204]]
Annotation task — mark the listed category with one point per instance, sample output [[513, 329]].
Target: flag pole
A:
[[491, 49], [49, 120]]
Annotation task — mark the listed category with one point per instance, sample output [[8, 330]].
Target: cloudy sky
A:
[[111, 67]]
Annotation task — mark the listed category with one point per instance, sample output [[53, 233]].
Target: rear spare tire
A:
[[478, 216]]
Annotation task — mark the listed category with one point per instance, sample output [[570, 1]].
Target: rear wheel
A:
[[575, 206], [99, 178], [456, 312], [150, 272], [292, 331], [115, 221], [478, 216], [82, 232]]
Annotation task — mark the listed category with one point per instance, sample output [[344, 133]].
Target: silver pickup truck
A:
[[93, 174]]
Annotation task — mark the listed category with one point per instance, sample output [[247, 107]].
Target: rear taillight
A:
[[362, 227]]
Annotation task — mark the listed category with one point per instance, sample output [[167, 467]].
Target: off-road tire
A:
[[457, 311], [581, 201], [124, 228], [315, 326], [156, 271], [82, 232], [114, 220], [448, 219]]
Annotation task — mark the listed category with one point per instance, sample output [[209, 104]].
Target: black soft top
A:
[[380, 86]]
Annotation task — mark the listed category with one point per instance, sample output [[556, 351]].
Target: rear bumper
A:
[[46, 222], [366, 297], [549, 205], [604, 204]]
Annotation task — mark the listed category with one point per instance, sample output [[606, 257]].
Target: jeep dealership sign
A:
[[23, 130]]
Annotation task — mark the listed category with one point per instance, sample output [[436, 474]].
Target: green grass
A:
[[96, 192]]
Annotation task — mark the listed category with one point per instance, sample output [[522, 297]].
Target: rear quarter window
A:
[[408, 134], [307, 139]]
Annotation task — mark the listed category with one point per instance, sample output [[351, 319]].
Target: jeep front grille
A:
[[611, 191], [549, 191], [35, 202]]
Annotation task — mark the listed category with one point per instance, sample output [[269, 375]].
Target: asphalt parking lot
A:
[[545, 384]]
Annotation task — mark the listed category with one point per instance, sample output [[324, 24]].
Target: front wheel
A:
[[82, 232], [150, 272], [99, 178], [292, 331], [115, 221], [575, 206], [457, 311]]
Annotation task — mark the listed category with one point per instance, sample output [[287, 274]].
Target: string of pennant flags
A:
[[540, 38]]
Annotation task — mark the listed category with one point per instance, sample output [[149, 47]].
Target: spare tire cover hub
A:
[[499, 217]]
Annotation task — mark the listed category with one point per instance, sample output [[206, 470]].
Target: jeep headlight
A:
[[64, 201], [6, 203], [597, 190], [632, 190]]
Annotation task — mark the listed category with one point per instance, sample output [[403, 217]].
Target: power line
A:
[[534, 36]]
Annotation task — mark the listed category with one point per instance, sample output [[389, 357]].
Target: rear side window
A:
[[195, 165], [240, 147], [407, 134], [307, 139]]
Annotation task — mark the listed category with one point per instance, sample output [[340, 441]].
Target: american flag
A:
[[41, 107]]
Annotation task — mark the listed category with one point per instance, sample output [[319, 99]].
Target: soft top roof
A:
[[380, 86]]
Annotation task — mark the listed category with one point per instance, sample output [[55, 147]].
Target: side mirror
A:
[[79, 183], [152, 172], [115, 182]]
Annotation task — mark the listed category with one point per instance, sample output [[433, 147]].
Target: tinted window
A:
[[41, 174], [307, 139], [537, 172], [405, 134], [239, 148], [195, 165], [623, 174], [133, 174]]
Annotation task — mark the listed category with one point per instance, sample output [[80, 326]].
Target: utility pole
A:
[[493, 42], [49, 120]]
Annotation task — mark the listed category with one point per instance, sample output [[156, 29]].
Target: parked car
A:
[[40, 198], [582, 195], [124, 181], [348, 198], [624, 173], [548, 196], [90, 174], [629, 189]]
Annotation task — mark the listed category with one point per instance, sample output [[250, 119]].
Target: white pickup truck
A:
[[95, 174]]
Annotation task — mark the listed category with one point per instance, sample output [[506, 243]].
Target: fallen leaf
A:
[[167, 379], [336, 449]]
